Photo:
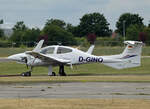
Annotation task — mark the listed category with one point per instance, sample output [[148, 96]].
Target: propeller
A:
[[25, 60]]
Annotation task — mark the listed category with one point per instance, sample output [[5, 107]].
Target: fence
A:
[[32, 44]]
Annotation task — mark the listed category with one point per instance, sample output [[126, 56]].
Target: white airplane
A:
[[63, 55]]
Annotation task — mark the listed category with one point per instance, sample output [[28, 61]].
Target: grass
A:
[[82, 73], [4, 52], [94, 70], [81, 70], [99, 50], [74, 104], [46, 79]]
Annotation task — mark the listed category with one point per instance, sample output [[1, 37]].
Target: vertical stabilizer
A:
[[131, 56]]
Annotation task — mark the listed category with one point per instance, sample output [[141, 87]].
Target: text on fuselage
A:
[[90, 59]]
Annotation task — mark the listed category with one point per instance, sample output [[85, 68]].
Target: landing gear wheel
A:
[[53, 74], [61, 71], [26, 73]]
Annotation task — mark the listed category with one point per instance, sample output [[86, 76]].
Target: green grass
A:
[[86, 69], [4, 52], [116, 50], [97, 51], [82, 79]]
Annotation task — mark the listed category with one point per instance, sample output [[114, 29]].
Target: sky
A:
[[35, 13]]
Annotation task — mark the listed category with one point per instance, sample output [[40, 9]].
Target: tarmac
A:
[[100, 90]]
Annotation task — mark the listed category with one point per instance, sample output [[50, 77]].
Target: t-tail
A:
[[131, 56]]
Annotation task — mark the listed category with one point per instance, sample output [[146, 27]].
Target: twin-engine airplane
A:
[[63, 55]]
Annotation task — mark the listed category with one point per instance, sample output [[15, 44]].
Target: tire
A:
[[53, 74]]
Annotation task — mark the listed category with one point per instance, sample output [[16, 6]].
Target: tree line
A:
[[92, 25]]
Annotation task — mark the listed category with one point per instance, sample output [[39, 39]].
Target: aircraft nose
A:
[[15, 57], [12, 57]]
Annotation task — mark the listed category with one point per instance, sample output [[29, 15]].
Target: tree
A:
[[19, 31], [128, 19], [1, 31], [57, 22], [142, 37], [73, 29], [25, 35], [133, 32], [57, 34], [149, 24], [94, 23], [91, 38], [31, 36], [20, 26], [147, 33], [1, 21]]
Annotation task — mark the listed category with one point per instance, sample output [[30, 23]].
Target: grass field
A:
[[87, 69], [74, 104], [58, 79], [82, 73], [97, 51]]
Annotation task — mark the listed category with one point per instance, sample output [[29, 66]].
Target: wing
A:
[[47, 58]]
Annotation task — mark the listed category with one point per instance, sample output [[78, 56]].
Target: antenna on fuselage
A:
[[59, 43]]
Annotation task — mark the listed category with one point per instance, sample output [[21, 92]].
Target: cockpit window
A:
[[49, 50], [63, 50]]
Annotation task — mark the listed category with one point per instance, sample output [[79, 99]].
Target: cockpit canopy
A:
[[48, 50], [55, 49], [61, 50]]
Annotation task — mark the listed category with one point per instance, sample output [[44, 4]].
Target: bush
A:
[[5, 43]]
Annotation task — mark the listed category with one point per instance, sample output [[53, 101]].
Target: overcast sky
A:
[[36, 12]]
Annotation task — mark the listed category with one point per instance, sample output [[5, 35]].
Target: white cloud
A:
[[117, 7], [35, 12]]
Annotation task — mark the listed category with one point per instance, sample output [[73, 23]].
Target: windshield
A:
[[49, 50], [63, 50]]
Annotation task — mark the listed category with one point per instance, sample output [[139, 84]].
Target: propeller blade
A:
[[25, 60]]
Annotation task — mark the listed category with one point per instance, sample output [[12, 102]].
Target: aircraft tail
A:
[[38, 47], [90, 50], [131, 56]]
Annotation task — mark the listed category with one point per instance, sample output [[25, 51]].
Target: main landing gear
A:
[[61, 71], [50, 73]]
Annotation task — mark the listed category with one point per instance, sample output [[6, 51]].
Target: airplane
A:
[[57, 55]]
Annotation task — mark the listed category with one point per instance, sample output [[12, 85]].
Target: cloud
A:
[[36, 12], [117, 7]]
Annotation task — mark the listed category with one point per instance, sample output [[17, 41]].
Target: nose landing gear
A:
[[28, 73]]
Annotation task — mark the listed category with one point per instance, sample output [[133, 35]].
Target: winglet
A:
[[90, 50], [39, 45]]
